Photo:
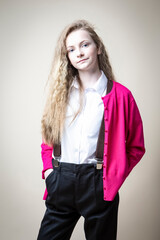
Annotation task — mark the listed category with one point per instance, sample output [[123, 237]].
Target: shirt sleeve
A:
[[135, 138], [46, 154]]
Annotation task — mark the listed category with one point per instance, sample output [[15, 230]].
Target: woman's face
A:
[[82, 51]]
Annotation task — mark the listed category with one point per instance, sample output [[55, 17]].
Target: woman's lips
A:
[[82, 60]]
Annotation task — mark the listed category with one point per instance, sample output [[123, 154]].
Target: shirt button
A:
[[105, 143], [105, 154], [106, 130], [103, 178], [106, 119], [104, 188]]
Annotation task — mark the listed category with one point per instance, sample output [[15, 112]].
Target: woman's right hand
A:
[[47, 172]]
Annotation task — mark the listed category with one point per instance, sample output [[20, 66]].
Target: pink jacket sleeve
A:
[[46, 153], [135, 138]]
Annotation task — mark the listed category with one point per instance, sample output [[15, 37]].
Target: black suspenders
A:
[[100, 142]]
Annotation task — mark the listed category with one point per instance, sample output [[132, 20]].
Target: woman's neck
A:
[[88, 79]]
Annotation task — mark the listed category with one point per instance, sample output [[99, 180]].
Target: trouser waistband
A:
[[74, 167]]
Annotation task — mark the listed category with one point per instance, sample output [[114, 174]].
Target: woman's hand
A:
[[47, 172]]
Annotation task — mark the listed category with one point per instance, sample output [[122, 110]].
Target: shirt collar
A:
[[100, 86], [75, 83]]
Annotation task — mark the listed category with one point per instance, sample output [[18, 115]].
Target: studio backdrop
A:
[[29, 31]]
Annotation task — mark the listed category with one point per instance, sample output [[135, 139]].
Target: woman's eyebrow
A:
[[79, 43]]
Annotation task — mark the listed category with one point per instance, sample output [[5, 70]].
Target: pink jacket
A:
[[123, 140]]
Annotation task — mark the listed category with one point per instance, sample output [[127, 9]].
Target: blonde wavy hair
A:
[[60, 79]]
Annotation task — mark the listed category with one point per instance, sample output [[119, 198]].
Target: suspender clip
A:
[[99, 163], [56, 161]]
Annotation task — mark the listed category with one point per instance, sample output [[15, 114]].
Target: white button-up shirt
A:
[[79, 139]]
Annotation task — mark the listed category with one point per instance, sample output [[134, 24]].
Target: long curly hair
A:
[[60, 79]]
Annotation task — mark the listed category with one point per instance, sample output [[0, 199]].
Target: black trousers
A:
[[76, 190]]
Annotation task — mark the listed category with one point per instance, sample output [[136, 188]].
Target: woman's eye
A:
[[85, 45], [70, 50]]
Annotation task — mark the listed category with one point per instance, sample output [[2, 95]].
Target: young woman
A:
[[92, 138]]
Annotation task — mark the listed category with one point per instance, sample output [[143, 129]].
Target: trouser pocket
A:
[[52, 182], [99, 185]]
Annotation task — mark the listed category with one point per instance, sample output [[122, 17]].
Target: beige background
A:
[[29, 30]]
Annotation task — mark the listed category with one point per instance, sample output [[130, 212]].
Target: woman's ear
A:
[[99, 50]]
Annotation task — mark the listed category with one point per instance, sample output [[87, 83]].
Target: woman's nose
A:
[[79, 53]]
